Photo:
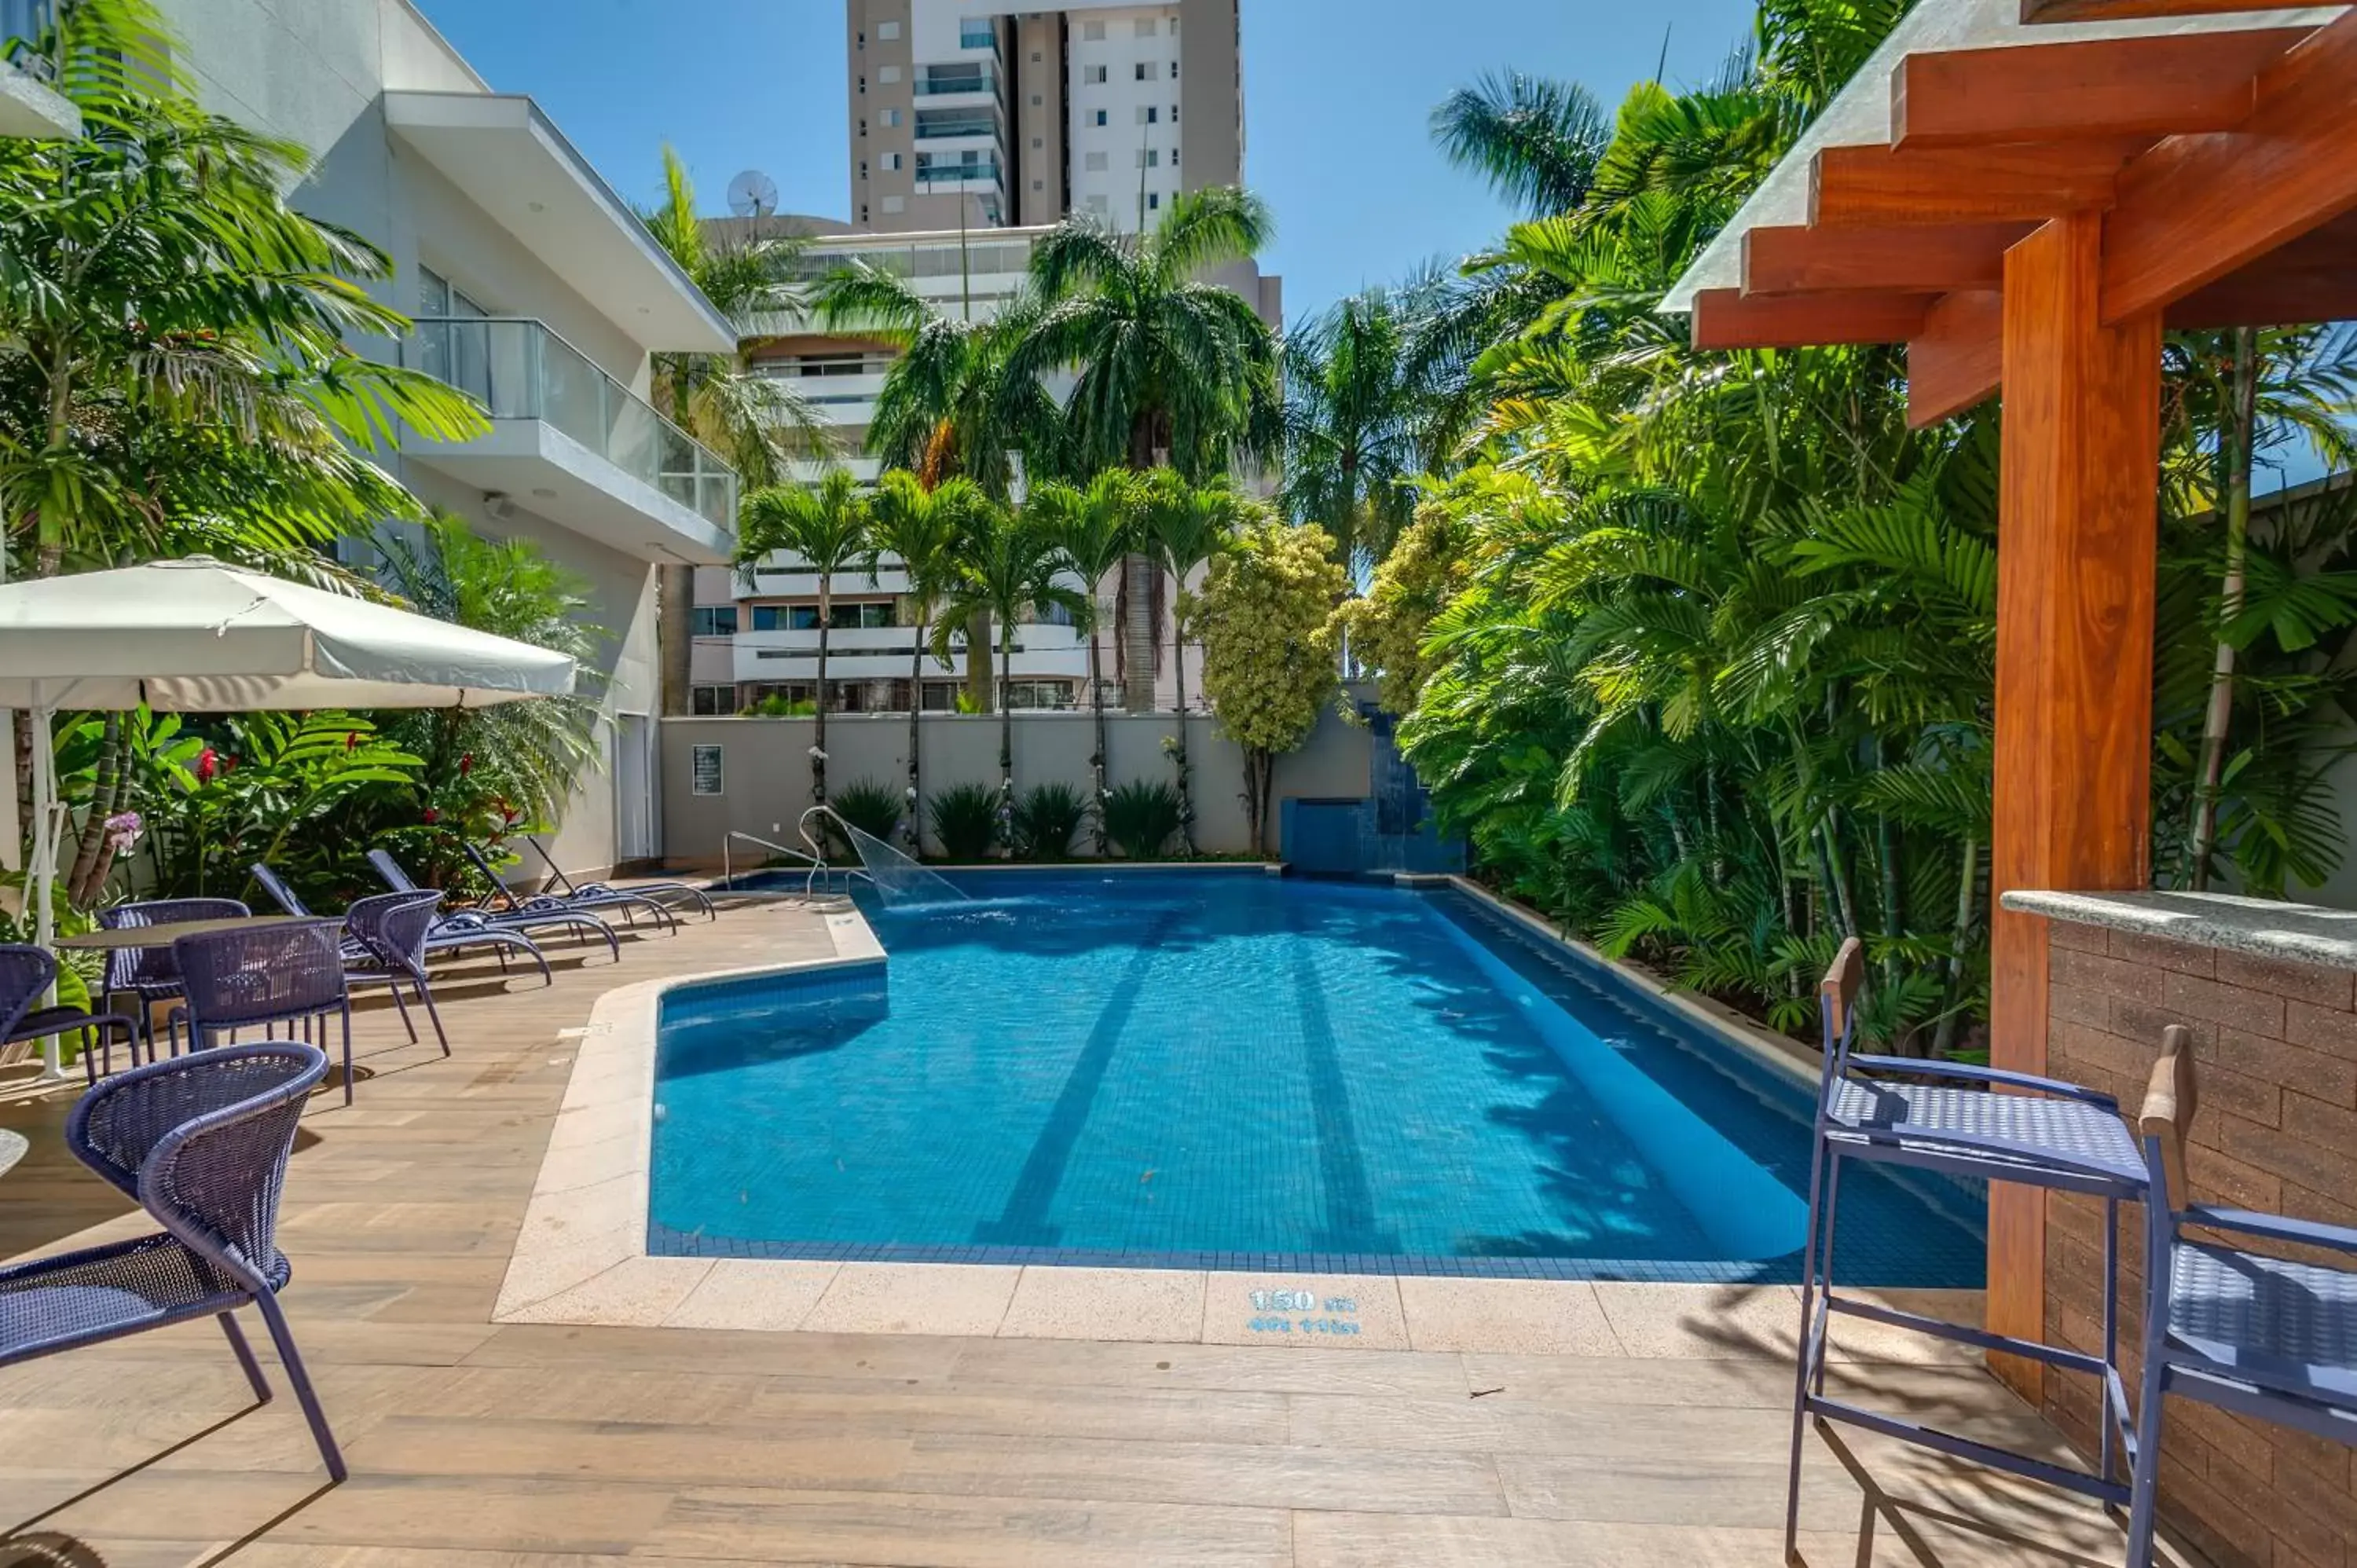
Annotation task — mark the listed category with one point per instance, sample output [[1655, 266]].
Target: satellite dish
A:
[[752, 195]]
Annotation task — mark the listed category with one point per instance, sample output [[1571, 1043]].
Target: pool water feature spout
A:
[[900, 881]]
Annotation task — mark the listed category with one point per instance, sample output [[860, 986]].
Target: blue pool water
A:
[[1209, 1070]]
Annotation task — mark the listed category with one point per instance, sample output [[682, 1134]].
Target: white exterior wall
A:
[[1112, 192], [314, 72]]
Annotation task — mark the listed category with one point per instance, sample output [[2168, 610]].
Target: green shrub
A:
[[872, 807], [1141, 818], [965, 820], [774, 706], [1045, 820]]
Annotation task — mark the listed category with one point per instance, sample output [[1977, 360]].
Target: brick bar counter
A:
[[2269, 990]]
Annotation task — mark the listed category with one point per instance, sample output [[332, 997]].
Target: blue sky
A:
[[1337, 92]]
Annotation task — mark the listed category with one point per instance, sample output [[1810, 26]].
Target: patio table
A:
[[165, 933]]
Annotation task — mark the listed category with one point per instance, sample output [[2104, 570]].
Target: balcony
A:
[[856, 653], [29, 104], [957, 174], [947, 124], [942, 84], [573, 443]]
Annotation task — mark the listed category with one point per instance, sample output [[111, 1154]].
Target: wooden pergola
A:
[[2026, 193]]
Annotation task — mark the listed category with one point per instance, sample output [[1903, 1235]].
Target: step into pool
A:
[[1210, 1070]]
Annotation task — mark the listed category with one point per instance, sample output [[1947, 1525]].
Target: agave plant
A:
[[870, 805], [1046, 819], [1142, 817], [965, 820]]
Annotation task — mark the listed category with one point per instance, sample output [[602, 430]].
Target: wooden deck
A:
[[477, 1446]]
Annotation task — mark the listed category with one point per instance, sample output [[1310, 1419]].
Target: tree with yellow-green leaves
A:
[[1265, 618], [1387, 628]]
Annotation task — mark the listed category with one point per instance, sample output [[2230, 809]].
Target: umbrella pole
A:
[[44, 868]]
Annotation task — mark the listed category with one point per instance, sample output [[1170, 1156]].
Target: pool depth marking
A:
[[1301, 1312]]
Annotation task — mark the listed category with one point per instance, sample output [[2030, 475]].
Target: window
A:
[[1174, 27], [716, 620], [1174, 75], [975, 33], [863, 168], [1099, 206], [1174, 157], [887, 74], [892, 160], [1097, 162], [1146, 27], [1173, 114], [1153, 200], [862, 126], [1149, 157], [771, 617], [1093, 75], [1100, 117], [710, 701], [863, 212], [1093, 32], [1150, 115], [863, 86], [862, 40], [1039, 693], [887, 32], [1144, 69], [895, 204]]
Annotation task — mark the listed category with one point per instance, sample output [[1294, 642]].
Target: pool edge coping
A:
[[580, 1256]]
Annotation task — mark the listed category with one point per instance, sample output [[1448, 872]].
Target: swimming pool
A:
[[1208, 1070]]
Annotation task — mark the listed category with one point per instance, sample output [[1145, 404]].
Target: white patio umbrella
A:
[[195, 636]]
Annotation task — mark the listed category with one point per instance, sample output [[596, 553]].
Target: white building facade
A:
[[536, 290]]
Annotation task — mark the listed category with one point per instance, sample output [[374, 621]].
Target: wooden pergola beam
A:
[[2134, 10], [2153, 85], [2313, 278], [2193, 208], [1915, 259], [1878, 186], [1728, 318], [1958, 358]]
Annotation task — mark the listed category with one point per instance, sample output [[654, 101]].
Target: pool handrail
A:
[[816, 861]]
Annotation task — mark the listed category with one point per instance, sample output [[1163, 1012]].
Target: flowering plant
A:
[[123, 831]]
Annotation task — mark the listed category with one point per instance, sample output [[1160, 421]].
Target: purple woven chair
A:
[[2263, 1337], [2057, 1135], [261, 977], [24, 973], [506, 904], [448, 933], [201, 1142], [147, 972], [391, 929], [577, 920]]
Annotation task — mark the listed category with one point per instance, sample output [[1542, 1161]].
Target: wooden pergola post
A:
[[2078, 515]]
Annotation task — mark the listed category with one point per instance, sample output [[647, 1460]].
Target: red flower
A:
[[206, 765], [432, 816], [227, 763], [351, 740], [466, 764]]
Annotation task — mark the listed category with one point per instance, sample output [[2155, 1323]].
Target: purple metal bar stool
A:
[[201, 1141], [2266, 1337], [2055, 1136], [262, 977]]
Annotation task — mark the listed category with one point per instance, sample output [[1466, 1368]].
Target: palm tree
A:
[[948, 406], [1182, 526], [755, 420], [1172, 369], [826, 526], [923, 529], [1007, 565], [1537, 141], [1358, 424], [1097, 530]]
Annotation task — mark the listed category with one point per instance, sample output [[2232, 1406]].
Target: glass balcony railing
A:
[[936, 86], [24, 25], [936, 124], [517, 369], [957, 174]]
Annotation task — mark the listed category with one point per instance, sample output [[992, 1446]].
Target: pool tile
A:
[[1165, 1305], [1701, 1321], [1343, 1311], [914, 1298], [1549, 1317], [742, 1293]]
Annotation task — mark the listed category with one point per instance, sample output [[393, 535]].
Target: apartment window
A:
[[1099, 206], [895, 204], [1174, 27], [863, 85], [892, 161], [1100, 117], [1093, 32], [711, 702], [1097, 162], [1173, 114], [887, 32], [974, 33], [887, 74], [863, 126], [716, 620], [1174, 157], [1144, 70], [1149, 157], [1146, 27], [1150, 115], [863, 212], [772, 618], [1153, 200], [1093, 75], [891, 117], [1174, 70], [862, 40]]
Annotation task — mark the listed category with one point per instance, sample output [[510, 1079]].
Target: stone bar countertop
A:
[[2265, 927]]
